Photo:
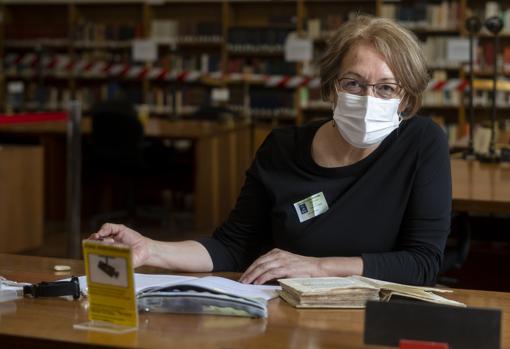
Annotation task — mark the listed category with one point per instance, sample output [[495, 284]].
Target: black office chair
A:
[[116, 153]]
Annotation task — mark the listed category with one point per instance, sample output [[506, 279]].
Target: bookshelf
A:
[[85, 52]]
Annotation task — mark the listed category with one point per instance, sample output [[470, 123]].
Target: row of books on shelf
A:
[[485, 57], [458, 136], [96, 32], [256, 65], [253, 39], [322, 27], [167, 30], [258, 102], [444, 15], [203, 62], [30, 30], [454, 98], [435, 50], [256, 98], [437, 53]]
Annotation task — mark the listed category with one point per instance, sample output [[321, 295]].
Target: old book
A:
[[352, 292]]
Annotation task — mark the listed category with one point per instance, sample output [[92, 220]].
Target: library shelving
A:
[[55, 50]]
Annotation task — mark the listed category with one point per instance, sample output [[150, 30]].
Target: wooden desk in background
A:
[[48, 323], [480, 187], [222, 155]]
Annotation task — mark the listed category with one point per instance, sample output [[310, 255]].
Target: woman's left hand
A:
[[278, 264]]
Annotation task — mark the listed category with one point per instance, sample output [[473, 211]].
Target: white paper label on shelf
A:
[[458, 50], [298, 49], [144, 50], [220, 94], [15, 87]]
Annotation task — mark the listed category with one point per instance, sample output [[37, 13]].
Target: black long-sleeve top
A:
[[392, 208]]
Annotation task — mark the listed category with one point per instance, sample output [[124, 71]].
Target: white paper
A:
[[297, 49], [227, 286], [458, 50], [220, 94], [144, 50], [223, 285], [143, 281], [15, 87]]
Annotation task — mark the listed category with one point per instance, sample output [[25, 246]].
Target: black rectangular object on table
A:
[[386, 323]]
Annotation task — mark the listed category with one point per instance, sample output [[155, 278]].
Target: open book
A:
[[352, 292], [204, 295]]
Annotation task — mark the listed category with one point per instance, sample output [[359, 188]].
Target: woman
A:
[[366, 193]]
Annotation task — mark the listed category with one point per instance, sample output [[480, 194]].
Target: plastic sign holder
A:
[[111, 289]]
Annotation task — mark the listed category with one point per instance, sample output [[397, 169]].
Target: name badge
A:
[[311, 207]]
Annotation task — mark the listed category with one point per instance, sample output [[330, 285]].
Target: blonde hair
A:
[[397, 45]]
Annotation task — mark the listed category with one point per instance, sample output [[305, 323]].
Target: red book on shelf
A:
[[489, 55], [506, 59]]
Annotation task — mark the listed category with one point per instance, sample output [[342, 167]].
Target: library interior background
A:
[[202, 84]]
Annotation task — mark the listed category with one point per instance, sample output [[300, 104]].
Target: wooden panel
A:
[[206, 182], [21, 197], [222, 161]]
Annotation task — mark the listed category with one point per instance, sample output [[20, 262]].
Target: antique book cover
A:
[[353, 292]]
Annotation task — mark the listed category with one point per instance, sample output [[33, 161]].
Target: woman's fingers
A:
[[106, 230], [259, 269], [271, 274], [279, 264], [266, 258]]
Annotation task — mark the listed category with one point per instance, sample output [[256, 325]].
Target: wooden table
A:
[[480, 187], [222, 155], [48, 323]]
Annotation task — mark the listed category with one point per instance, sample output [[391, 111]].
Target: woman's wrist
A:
[[340, 266], [152, 250]]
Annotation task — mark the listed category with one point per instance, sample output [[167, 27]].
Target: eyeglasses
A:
[[384, 90]]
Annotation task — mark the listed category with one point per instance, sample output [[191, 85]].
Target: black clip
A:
[[54, 289]]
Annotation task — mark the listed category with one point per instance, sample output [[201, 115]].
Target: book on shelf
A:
[[198, 295], [172, 31], [251, 39], [353, 292], [87, 31], [444, 15]]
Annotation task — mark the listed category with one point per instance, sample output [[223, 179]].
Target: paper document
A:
[[219, 284]]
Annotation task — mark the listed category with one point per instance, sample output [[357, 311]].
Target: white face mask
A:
[[365, 120]]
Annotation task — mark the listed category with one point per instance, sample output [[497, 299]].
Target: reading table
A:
[[48, 323]]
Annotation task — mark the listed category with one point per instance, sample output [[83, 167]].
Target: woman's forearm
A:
[[186, 256]]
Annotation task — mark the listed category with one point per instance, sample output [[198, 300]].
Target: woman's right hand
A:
[[119, 233]]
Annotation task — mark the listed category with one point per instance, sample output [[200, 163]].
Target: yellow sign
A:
[[111, 288]]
